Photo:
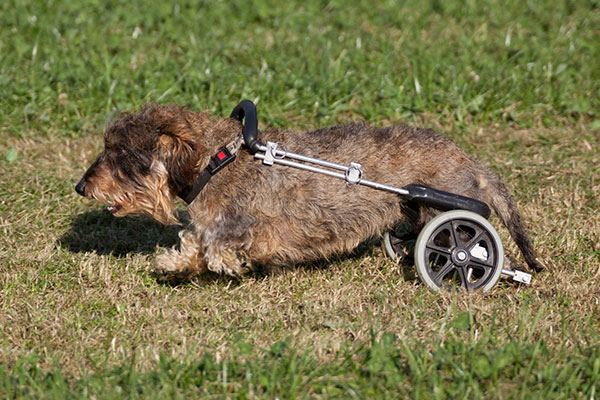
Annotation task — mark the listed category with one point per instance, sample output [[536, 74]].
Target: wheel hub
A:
[[460, 256]]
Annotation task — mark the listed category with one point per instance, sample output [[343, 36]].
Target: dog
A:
[[250, 214]]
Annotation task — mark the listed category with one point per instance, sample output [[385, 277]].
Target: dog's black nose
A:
[[80, 188]]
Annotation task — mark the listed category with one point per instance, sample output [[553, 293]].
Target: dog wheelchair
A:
[[457, 248]]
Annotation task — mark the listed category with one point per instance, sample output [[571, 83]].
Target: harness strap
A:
[[245, 112], [224, 156]]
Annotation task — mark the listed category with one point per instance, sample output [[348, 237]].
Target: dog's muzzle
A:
[[80, 187]]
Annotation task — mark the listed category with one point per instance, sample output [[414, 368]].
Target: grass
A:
[[384, 368], [516, 84]]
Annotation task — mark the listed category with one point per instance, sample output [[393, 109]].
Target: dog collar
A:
[[224, 156], [245, 113]]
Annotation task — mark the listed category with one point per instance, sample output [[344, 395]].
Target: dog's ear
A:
[[180, 146]]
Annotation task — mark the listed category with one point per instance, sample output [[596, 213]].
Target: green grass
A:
[[385, 368], [311, 61], [515, 83]]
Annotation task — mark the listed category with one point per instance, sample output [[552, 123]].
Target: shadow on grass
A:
[[104, 233], [100, 232]]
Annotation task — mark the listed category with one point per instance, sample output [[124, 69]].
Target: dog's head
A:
[[149, 157]]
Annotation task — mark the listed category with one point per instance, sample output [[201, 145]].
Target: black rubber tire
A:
[[459, 247]]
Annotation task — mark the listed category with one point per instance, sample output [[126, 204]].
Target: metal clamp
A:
[[235, 145], [353, 174], [270, 153], [518, 276]]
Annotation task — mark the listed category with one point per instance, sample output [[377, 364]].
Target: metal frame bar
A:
[[278, 157]]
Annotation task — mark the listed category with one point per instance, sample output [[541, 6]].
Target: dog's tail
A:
[[502, 202]]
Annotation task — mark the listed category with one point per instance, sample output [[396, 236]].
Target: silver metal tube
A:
[[312, 160], [382, 186], [305, 167], [300, 157], [508, 272]]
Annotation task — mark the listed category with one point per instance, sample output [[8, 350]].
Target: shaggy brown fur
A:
[[276, 216]]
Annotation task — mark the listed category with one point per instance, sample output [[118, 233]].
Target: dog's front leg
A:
[[226, 244], [180, 264]]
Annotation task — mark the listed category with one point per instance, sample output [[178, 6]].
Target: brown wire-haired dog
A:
[[277, 216]]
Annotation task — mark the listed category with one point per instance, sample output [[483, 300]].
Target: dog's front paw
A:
[[170, 276], [229, 262], [171, 267]]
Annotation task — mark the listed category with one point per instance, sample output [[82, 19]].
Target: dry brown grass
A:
[[64, 294]]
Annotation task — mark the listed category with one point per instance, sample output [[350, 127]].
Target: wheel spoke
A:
[[437, 249], [395, 240], [481, 280], [486, 267], [445, 270], [475, 240], [396, 244], [462, 272], [436, 235], [453, 234]]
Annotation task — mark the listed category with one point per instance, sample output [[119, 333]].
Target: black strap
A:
[[189, 193], [245, 112], [217, 162]]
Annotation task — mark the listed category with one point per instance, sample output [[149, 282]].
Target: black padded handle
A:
[[245, 112], [446, 201]]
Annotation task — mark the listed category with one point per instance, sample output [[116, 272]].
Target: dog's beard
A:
[[150, 195]]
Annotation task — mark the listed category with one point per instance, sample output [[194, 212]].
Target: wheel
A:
[[398, 242], [459, 249], [388, 247]]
